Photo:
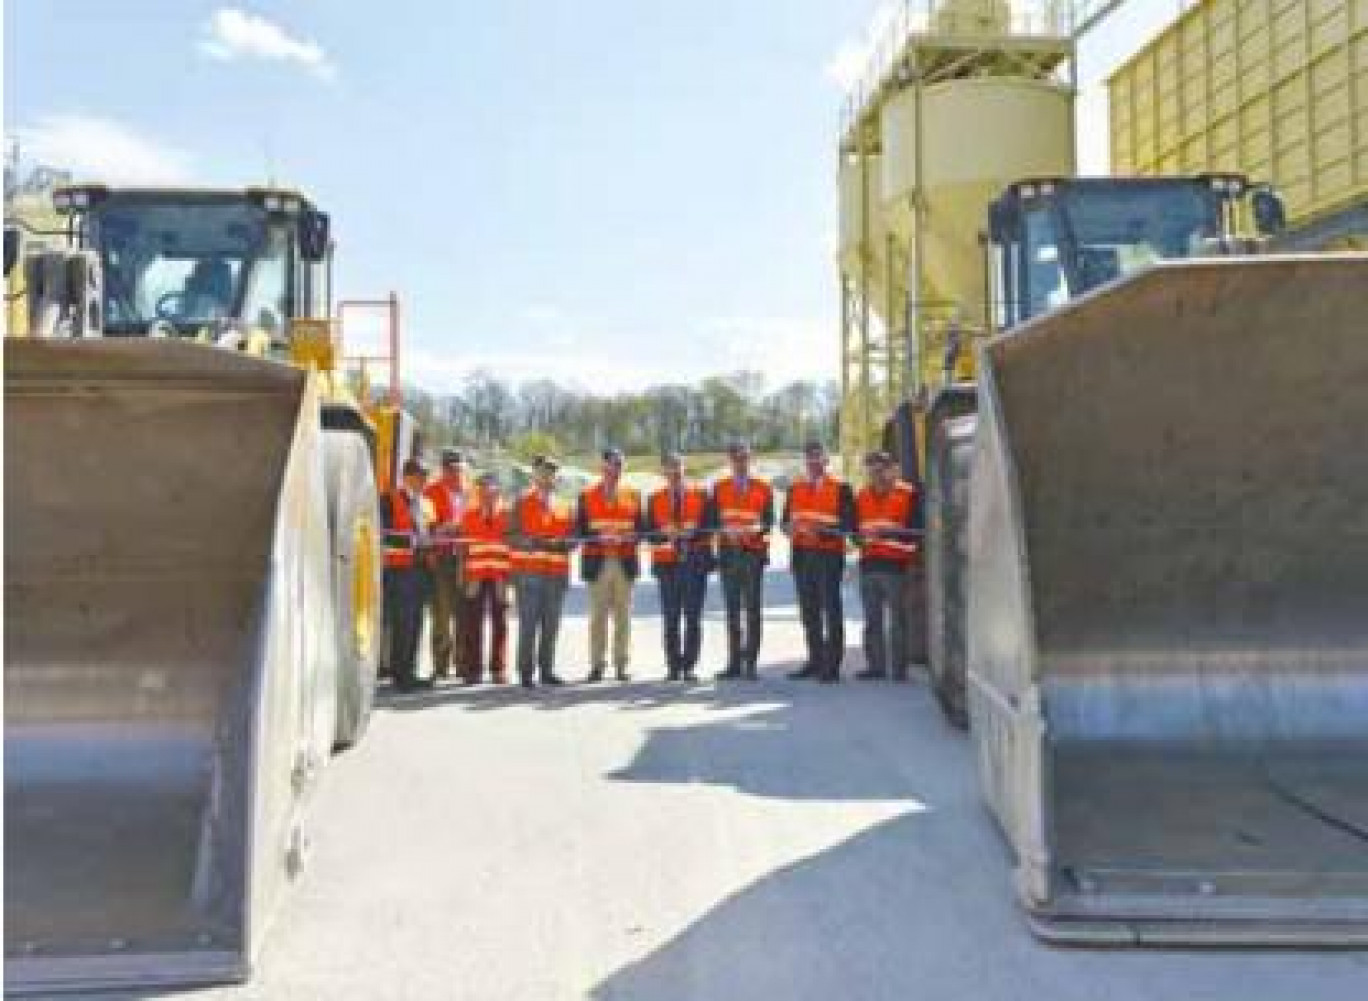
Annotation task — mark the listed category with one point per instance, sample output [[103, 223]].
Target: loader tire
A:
[[947, 559], [357, 566]]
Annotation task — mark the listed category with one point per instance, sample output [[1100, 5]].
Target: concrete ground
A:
[[647, 842]]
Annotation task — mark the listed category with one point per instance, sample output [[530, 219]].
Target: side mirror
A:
[[1270, 215], [315, 235], [11, 249]]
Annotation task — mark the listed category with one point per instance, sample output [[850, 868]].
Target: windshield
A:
[[188, 264], [1117, 230]]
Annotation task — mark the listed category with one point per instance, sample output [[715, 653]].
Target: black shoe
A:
[[622, 675], [594, 676], [422, 685], [730, 674], [689, 678], [900, 677], [672, 676], [528, 683], [829, 677], [552, 680], [749, 672], [803, 673], [871, 674]]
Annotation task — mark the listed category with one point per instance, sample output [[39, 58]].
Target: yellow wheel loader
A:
[[192, 579], [1148, 534]]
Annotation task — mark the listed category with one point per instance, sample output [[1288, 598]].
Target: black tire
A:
[[947, 562], [354, 520]]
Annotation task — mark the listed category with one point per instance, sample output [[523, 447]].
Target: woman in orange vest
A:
[[743, 514], [539, 530], [484, 529], [609, 517], [407, 519], [681, 559], [886, 513], [819, 515]]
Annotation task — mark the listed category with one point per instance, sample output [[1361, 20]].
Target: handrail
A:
[[391, 305], [1059, 19]]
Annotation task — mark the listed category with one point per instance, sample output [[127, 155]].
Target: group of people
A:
[[461, 551]]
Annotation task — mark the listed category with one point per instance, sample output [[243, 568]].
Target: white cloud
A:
[[445, 373], [541, 312], [782, 348], [236, 34], [849, 63], [95, 148]]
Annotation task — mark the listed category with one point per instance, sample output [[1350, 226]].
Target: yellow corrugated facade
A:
[[1275, 89]]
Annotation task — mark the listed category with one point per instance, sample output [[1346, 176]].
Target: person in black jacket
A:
[[678, 522], [819, 516]]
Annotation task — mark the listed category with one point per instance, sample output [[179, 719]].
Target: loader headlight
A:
[[73, 199], [281, 203]]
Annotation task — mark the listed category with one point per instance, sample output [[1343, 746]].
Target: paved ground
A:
[[651, 843]]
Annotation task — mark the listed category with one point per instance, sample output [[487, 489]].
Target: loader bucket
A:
[[1168, 647], [167, 649]]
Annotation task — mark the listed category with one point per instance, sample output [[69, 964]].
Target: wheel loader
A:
[[1148, 553], [192, 579]]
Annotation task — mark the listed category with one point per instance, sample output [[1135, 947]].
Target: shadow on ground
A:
[[888, 915]]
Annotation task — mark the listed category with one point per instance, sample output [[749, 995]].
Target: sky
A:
[[613, 193]]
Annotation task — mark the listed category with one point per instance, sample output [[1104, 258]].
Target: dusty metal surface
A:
[[1169, 558], [164, 530]]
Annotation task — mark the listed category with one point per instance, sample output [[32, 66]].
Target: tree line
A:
[[541, 415]]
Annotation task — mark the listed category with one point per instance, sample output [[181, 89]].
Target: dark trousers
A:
[[743, 578], [883, 593], [818, 577], [485, 599], [406, 595], [540, 599], [682, 589]]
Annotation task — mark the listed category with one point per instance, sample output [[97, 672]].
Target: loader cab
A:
[[1053, 240], [213, 265]]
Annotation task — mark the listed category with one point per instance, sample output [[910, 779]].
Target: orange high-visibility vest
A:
[[892, 510], [447, 510], [693, 500], [743, 511], [487, 554], [615, 517], [538, 520], [401, 537], [812, 507]]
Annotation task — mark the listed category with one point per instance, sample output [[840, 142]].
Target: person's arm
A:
[[649, 526], [786, 518], [847, 515], [767, 511], [513, 531], [582, 518]]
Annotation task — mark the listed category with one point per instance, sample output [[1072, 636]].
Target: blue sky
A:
[[615, 192]]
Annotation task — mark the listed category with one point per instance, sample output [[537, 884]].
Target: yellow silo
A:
[[970, 96]]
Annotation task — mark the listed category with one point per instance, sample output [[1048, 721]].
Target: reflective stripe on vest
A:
[[816, 507], [400, 537], [537, 520], [487, 553], [743, 512], [690, 517], [616, 517], [892, 510]]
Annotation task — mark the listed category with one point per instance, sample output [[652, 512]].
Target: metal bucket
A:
[[168, 677], [1168, 648]]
